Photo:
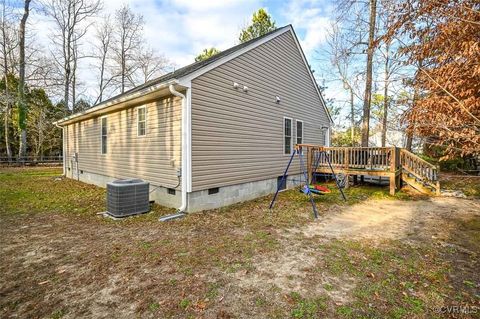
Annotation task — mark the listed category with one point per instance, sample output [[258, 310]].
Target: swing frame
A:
[[298, 151]]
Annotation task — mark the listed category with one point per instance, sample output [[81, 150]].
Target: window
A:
[[287, 136], [104, 134], [299, 132], [171, 191], [141, 121]]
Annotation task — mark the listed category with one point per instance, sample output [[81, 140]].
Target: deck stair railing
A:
[[422, 171]]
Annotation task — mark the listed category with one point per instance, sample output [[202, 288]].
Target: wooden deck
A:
[[395, 163]]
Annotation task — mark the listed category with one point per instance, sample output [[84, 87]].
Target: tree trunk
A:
[[7, 115], [386, 99], [408, 145], [7, 91], [74, 97], [6, 122], [74, 73], [22, 112], [352, 115], [123, 70], [411, 126], [368, 85], [102, 71]]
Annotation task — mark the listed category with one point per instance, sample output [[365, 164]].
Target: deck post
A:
[[347, 165], [393, 170], [309, 164]]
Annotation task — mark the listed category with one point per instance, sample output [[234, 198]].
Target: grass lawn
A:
[[375, 256]]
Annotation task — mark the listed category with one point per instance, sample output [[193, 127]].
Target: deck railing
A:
[[393, 162], [357, 158]]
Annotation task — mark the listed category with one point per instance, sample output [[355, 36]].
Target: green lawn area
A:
[[59, 258]]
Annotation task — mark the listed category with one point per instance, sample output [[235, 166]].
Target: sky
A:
[[181, 29]]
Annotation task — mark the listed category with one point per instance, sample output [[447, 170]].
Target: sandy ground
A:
[[387, 219], [374, 221]]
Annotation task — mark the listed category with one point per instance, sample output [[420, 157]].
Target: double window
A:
[[141, 121], [103, 133], [288, 134]]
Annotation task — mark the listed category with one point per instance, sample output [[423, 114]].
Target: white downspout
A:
[[327, 136], [182, 208], [63, 149]]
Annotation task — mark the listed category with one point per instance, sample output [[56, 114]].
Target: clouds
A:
[[181, 29], [311, 18]]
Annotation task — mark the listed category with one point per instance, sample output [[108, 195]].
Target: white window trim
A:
[[296, 131], [291, 136], [138, 122], [101, 135]]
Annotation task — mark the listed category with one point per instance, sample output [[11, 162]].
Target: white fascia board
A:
[[311, 74], [120, 99]]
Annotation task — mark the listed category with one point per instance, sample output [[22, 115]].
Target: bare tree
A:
[[367, 101], [342, 58], [127, 40], [9, 43], [151, 65], [102, 48], [21, 84], [71, 21], [386, 98]]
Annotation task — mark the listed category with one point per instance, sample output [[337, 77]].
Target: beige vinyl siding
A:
[[154, 157], [237, 137]]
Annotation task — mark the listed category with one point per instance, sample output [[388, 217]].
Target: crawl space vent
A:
[[126, 197]]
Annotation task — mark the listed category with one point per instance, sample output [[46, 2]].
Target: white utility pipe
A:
[[184, 147], [63, 149]]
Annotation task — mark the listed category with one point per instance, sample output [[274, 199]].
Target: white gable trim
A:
[[311, 73]]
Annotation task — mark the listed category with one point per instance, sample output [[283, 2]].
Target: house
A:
[[209, 134]]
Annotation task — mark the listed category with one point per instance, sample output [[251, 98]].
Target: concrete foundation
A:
[[198, 200], [228, 195], [157, 193]]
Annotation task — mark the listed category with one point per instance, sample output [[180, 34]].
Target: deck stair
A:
[[397, 164], [419, 173]]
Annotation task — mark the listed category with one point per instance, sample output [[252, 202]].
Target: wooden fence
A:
[[31, 161]]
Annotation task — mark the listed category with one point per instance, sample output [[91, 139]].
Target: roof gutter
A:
[[112, 102], [185, 139]]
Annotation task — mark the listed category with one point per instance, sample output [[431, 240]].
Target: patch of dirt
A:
[[389, 219], [290, 269]]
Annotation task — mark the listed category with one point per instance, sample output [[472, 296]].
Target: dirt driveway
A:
[[384, 258]]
